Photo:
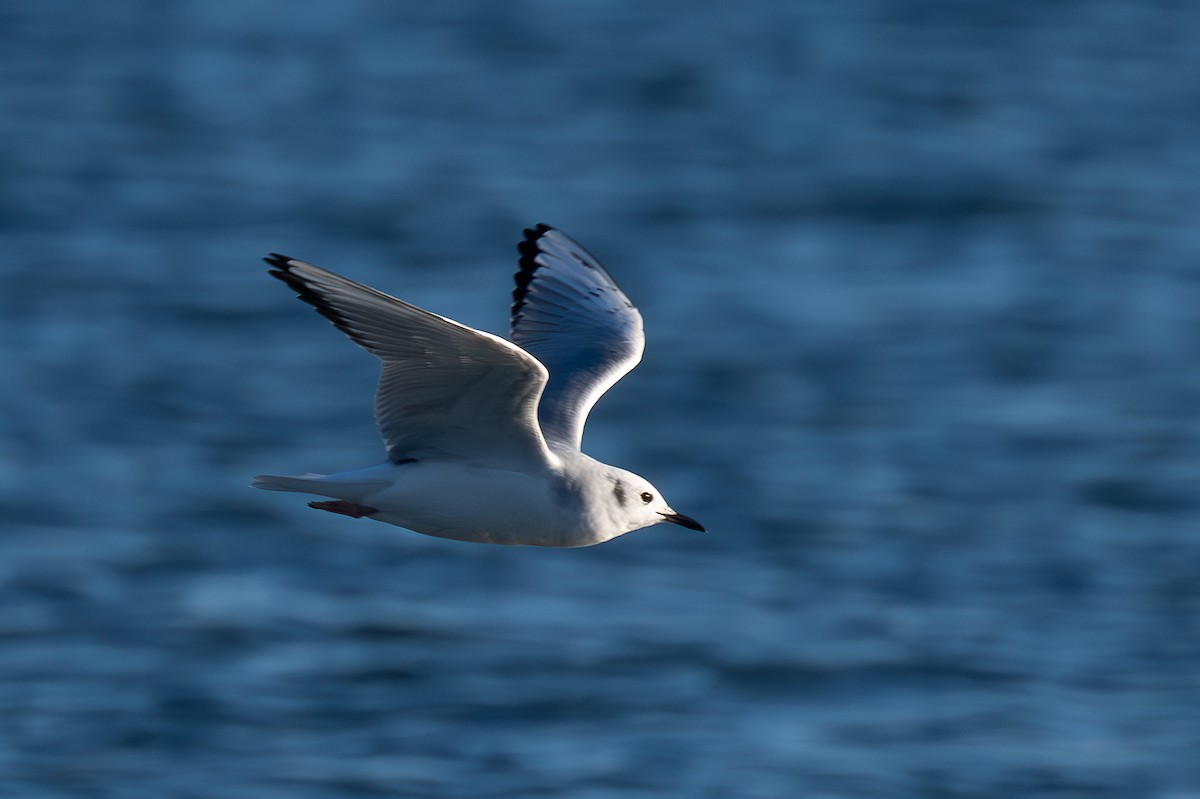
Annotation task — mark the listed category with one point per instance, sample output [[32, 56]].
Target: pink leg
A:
[[345, 508]]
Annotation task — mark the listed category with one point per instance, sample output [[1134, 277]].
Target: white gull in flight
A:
[[483, 435]]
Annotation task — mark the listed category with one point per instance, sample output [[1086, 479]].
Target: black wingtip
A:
[[283, 271], [527, 264], [306, 293], [537, 230]]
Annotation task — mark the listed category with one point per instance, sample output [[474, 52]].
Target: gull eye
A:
[[646, 497]]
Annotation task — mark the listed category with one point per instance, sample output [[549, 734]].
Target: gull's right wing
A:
[[569, 314]]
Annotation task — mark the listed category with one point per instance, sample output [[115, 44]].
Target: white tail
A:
[[351, 486], [304, 483]]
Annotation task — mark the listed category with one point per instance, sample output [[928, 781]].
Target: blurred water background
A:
[[922, 294]]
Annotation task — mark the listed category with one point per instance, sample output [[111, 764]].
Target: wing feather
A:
[[446, 390], [570, 314]]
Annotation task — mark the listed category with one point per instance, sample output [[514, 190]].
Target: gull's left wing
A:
[[446, 390]]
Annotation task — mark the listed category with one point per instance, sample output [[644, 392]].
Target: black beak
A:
[[682, 521]]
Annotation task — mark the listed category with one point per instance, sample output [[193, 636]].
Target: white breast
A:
[[450, 500]]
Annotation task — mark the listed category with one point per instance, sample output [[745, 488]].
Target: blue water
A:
[[921, 284]]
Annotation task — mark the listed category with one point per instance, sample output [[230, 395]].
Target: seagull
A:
[[482, 434]]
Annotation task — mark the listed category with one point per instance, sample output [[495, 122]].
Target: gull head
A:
[[633, 504]]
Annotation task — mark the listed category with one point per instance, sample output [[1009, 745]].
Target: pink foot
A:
[[345, 508]]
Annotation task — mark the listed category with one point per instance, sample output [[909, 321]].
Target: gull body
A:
[[483, 434]]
